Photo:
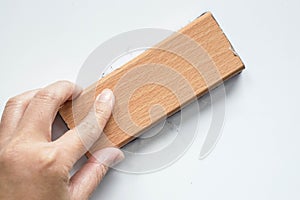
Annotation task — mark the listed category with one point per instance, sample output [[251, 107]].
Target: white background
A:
[[258, 154]]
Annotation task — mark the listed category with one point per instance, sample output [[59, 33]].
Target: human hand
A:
[[34, 167]]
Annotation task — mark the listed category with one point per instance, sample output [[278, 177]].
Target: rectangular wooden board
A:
[[160, 81]]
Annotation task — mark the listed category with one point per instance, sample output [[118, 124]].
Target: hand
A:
[[34, 167]]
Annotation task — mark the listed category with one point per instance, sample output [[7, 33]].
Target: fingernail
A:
[[106, 96]]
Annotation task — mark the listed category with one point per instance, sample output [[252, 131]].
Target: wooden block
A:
[[160, 81]]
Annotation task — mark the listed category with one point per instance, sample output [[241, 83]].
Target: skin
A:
[[34, 167]]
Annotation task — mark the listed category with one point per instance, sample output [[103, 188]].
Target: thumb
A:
[[85, 180]]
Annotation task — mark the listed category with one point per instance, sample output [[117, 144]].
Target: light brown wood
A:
[[160, 81]]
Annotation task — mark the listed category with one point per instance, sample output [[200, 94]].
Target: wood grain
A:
[[160, 81]]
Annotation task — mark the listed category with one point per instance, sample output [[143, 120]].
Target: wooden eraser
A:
[[160, 81]]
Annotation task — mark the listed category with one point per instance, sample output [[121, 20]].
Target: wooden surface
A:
[[160, 81]]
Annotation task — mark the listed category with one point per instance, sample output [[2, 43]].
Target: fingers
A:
[[43, 107], [15, 108], [77, 141], [85, 181]]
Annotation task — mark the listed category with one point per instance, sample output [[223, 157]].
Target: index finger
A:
[[44, 106]]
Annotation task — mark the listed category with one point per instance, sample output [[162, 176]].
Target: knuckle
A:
[[88, 125], [102, 112], [46, 95], [50, 162], [14, 101], [48, 158], [66, 84], [100, 172], [9, 154], [89, 132], [7, 157]]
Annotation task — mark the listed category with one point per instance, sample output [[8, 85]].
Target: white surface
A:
[[258, 154]]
